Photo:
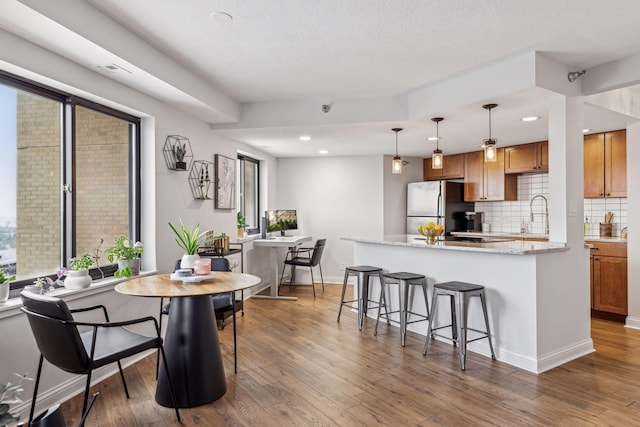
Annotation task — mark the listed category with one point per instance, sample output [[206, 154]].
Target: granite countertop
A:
[[511, 247], [604, 239], [501, 234]]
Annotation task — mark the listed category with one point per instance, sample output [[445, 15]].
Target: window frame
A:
[[243, 159], [69, 102]]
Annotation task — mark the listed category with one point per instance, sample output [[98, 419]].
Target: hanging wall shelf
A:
[[200, 179], [177, 152]]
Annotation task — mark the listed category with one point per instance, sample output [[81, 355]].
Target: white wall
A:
[[633, 244], [395, 193]]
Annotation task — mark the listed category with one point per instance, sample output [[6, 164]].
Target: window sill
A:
[[12, 306]]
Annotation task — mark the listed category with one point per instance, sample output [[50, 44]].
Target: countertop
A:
[[534, 236], [604, 239], [513, 247]]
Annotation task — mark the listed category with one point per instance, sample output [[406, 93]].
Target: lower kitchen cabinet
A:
[[609, 277]]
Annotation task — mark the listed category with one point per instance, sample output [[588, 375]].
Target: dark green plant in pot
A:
[[124, 250]]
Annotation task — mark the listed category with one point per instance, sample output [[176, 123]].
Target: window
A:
[[69, 178], [249, 185]]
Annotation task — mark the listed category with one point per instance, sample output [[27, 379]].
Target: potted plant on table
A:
[[127, 254], [5, 281], [78, 272], [190, 240]]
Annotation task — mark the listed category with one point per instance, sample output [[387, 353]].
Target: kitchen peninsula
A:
[[537, 319]]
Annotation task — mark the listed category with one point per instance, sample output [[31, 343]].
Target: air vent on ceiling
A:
[[112, 68]]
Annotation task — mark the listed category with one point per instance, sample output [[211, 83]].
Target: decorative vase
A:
[[134, 264], [79, 279], [240, 233], [4, 291], [187, 261]]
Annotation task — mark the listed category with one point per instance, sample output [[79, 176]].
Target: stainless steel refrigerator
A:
[[439, 201]]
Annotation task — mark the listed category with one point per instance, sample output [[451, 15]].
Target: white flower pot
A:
[[4, 291], [77, 279], [187, 261], [133, 263]]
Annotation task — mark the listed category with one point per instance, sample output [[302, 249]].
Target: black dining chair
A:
[[305, 257], [63, 345]]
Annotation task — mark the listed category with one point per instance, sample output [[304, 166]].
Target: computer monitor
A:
[[281, 220]]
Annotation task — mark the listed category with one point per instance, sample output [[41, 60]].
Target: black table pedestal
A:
[[193, 354]]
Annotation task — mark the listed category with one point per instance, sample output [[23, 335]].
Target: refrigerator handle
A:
[[440, 206]]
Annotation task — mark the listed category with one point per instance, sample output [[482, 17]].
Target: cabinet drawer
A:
[[609, 249]]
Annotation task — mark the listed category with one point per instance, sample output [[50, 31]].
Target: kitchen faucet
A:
[[546, 211]]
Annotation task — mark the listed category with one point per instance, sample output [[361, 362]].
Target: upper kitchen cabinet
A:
[[527, 158], [452, 168], [605, 164], [487, 181]]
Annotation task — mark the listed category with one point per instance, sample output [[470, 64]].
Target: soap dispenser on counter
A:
[[586, 226]]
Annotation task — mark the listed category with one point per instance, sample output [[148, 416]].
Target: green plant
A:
[[80, 262], [188, 238], [179, 151], [9, 395], [4, 276], [241, 221], [124, 249]]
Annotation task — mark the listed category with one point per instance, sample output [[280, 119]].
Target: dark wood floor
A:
[[298, 367]]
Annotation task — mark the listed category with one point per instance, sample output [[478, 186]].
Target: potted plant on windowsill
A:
[[5, 282], [242, 224], [78, 272], [127, 254], [190, 240]]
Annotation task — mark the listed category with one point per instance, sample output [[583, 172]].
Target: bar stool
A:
[[459, 294], [363, 273], [403, 280]]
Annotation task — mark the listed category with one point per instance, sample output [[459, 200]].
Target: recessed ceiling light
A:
[[305, 138], [586, 130], [221, 16], [432, 138], [530, 119], [323, 152]]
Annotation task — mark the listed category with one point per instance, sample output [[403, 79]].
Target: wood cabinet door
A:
[[615, 166], [520, 158], [430, 174], [453, 166], [474, 176], [610, 284], [594, 165], [497, 185], [543, 156]]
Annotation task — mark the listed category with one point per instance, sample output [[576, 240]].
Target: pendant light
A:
[[436, 160], [396, 165], [489, 145]]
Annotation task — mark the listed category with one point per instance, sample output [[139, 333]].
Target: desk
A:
[[191, 341], [274, 243]]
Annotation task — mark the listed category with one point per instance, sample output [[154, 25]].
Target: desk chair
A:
[[305, 257], [61, 343]]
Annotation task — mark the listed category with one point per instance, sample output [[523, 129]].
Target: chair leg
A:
[[344, 288], [124, 383], [160, 329], [312, 282], [281, 276], [86, 391], [35, 390], [173, 395], [235, 348], [382, 288], [321, 278], [434, 307]]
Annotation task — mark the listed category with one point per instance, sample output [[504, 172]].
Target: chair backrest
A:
[[220, 264], [317, 251], [58, 341]]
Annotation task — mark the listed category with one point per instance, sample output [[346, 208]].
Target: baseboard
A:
[[632, 322], [564, 355]]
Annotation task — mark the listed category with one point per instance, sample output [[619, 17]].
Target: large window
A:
[[249, 185], [68, 176]]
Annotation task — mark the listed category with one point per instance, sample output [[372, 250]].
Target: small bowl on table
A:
[[431, 235]]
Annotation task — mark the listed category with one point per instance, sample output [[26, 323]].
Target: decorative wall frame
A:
[[200, 180], [177, 152], [225, 194]]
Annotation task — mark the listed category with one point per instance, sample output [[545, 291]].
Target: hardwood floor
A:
[[298, 367]]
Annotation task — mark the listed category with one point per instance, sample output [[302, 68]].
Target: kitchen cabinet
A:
[[605, 164], [452, 168], [527, 158], [487, 181], [609, 277]]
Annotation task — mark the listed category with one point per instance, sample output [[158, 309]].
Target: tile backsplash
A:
[[508, 216]]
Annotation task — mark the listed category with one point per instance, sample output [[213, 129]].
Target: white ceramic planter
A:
[[187, 261], [77, 279], [4, 291], [133, 263]]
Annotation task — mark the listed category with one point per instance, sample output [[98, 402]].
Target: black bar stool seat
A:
[[363, 274], [403, 280], [459, 294]]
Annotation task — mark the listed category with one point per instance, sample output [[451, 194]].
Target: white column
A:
[[633, 220]]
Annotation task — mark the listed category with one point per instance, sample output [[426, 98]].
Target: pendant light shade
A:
[[396, 165], [437, 159], [489, 145]]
